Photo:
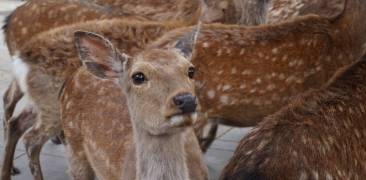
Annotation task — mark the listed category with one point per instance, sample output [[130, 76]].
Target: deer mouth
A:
[[183, 120]]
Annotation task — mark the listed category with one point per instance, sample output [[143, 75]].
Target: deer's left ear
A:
[[185, 45], [98, 55]]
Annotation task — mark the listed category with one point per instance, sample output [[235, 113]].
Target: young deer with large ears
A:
[[158, 89], [319, 135]]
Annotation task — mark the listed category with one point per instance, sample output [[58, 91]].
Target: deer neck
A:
[[160, 157]]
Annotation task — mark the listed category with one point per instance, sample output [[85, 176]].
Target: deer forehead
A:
[[164, 61]]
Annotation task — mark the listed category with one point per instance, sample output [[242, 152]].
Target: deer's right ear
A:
[[98, 55]]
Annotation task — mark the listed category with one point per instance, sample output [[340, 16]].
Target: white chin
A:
[[177, 120], [194, 117]]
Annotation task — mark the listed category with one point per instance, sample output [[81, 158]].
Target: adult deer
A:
[[319, 135], [158, 89]]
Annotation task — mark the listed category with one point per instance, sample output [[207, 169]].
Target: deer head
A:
[[219, 11], [158, 83]]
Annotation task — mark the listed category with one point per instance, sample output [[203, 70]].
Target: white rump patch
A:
[[20, 71]]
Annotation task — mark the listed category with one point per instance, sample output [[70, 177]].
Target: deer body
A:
[[319, 135], [156, 151], [246, 73]]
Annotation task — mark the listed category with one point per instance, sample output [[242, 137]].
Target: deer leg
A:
[[11, 97], [79, 166], [15, 129], [205, 142], [45, 127]]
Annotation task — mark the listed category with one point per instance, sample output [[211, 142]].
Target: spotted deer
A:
[[51, 57], [276, 11], [141, 128], [26, 21], [17, 32], [319, 135], [37, 16], [246, 73]]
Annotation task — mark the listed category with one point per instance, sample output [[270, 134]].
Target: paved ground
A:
[[53, 159]]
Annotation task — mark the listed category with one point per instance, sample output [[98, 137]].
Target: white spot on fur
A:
[[224, 99], [206, 45], [211, 94], [226, 87], [243, 86], [20, 71]]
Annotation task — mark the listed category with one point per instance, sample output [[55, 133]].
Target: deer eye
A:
[[191, 72], [138, 78]]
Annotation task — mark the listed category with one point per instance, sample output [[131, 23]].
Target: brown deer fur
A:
[[319, 135], [280, 10], [247, 12], [36, 16], [245, 73], [31, 18], [159, 10]]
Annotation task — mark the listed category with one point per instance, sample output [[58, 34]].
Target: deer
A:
[[28, 20], [318, 135], [19, 26], [16, 39], [259, 69], [142, 127], [40, 60]]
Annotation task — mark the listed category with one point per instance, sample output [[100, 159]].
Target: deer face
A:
[[158, 83]]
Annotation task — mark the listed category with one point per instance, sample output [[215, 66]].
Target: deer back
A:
[[247, 73], [319, 135]]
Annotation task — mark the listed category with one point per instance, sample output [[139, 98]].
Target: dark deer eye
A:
[[138, 78], [191, 71]]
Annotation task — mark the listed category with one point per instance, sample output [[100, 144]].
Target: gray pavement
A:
[[54, 163]]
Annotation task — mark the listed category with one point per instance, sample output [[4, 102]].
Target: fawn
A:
[[319, 135], [159, 92]]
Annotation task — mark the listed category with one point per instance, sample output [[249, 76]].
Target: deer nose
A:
[[186, 102]]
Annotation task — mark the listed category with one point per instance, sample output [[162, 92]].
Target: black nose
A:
[[185, 102]]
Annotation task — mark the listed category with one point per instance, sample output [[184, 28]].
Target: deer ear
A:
[[98, 55], [185, 45]]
